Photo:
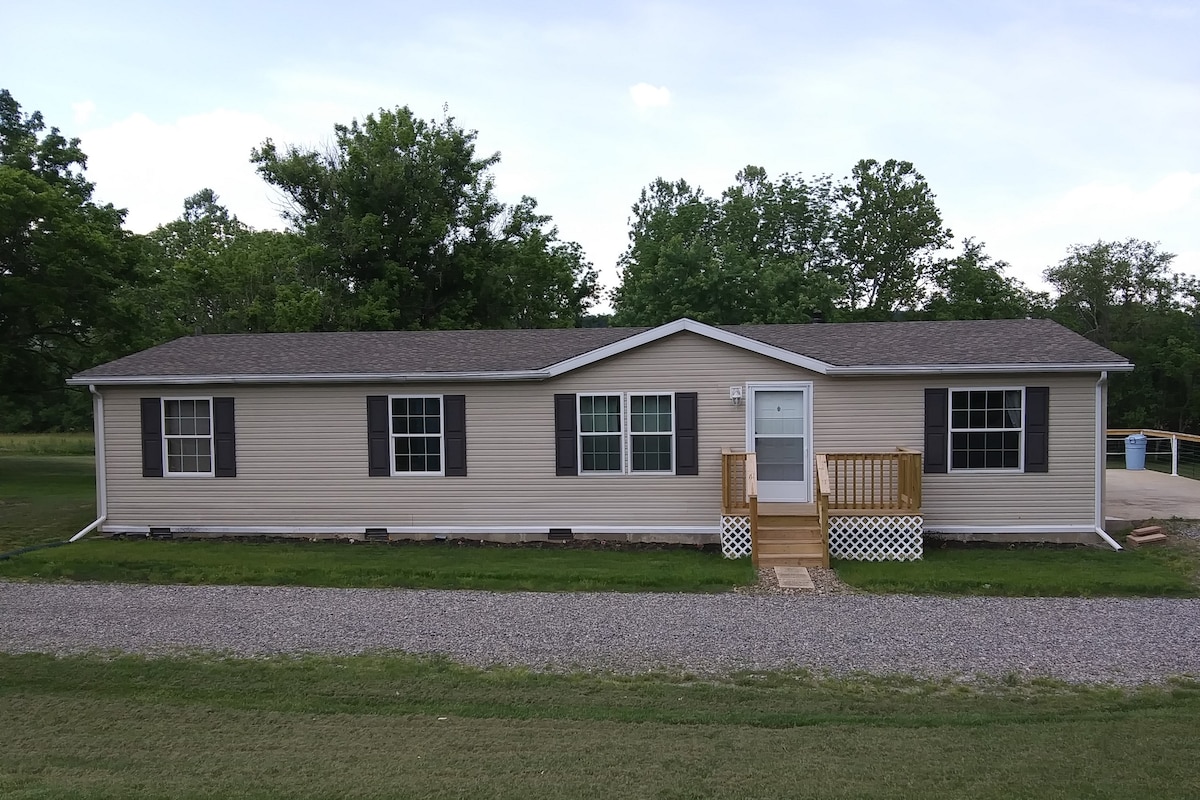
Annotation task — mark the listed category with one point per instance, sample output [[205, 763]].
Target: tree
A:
[[889, 231], [61, 257], [412, 235], [761, 253], [973, 285], [213, 274], [1124, 296]]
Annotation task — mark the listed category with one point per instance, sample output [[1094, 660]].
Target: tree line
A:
[[395, 224]]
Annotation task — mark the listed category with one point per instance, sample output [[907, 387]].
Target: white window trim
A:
[[626, 433], [441, 436], [212, 448], [951, 430]]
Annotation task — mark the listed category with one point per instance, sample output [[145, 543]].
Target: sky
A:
[[1038, 125]]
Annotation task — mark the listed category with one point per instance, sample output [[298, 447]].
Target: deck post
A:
[[1174, 454]]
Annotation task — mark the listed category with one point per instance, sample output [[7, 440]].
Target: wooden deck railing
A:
[[881, 483], [736, 467], [821, 496], [870, 482]]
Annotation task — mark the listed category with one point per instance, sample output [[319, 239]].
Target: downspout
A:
[[101, 486], [1101, 451]]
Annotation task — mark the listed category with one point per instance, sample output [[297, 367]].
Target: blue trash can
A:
[[1135, 451]]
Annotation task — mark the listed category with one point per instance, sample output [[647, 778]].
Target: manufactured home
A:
[[786, 442]]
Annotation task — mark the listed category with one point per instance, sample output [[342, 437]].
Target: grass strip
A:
[[378, 726], [408, 565], [1020, 570]]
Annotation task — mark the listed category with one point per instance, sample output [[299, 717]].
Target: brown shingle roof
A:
[[929, 344], [361, 353], [998, 341]]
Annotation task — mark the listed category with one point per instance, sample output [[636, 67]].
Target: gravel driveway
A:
[[1125, 641]]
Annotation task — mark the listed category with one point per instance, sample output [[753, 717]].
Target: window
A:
[[417, 435], [621, 433], [986, 429], [650, 432], [187, 436]]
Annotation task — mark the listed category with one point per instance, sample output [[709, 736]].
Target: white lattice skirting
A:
[[735, 537], [875, 538]]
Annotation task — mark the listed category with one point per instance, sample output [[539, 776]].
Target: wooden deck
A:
[[844, 484]]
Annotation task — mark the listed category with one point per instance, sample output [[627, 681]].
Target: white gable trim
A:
[[690, 326]]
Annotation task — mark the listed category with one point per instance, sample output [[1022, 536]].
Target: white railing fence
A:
[[1166, 451]]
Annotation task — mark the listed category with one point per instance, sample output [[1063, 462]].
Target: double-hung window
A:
[[987, 429], [417, 435], [626, 433], [188, 436]]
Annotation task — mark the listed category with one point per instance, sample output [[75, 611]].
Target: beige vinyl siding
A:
[[302, 452], [851, 413]]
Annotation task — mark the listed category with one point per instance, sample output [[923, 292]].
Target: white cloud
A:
[[1038, 235], [83, 111], [646, 96], [150, 167]]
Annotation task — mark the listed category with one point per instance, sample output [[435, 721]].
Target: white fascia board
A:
[[690, 326], [412, 377], [966, 369]]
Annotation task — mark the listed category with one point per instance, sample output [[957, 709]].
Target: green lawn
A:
[[433, 565], [950, 568], [92, 727], [44, 498]]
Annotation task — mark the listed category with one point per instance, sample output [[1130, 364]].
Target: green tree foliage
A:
[[973, 285], [1124, 296], [62, 257], [785, 250], [413, 237], [763, 252], [889, 233], [213, 274]]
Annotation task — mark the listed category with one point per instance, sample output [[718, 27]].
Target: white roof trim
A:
[[959, 369], [608, 351], [353, 377]]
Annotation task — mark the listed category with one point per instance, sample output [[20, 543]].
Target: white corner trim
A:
[[690, 326]]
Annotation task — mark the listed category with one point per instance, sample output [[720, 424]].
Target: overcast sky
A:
[[1037, 124]]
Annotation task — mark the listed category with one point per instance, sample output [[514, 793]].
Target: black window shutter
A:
[[687, 441], [454, 418], [937, 423], [152, 443], [1037, 429], [379, 434], [565, 453], [224, 445]]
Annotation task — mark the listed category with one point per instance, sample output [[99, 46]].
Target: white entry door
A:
[[778, 433]]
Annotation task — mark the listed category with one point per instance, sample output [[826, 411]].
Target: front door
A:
[[778, 433]]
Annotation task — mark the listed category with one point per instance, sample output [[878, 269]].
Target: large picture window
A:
[[987, 429], [417, 435], [623, 433], [188, 436]]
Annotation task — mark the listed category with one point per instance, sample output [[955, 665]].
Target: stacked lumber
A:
[[1151, 534]]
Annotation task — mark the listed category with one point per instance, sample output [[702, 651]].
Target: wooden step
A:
[[787, 509], [805, 520], [810, 548], [784, 537]]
